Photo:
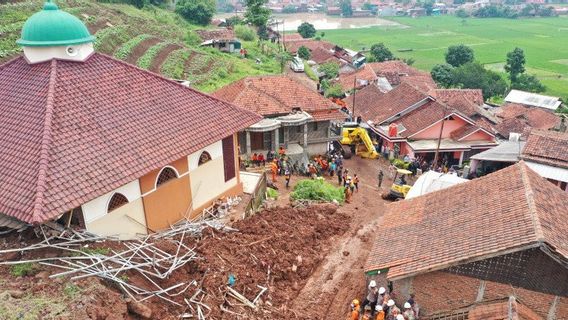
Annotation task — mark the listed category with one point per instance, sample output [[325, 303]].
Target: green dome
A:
[[53, 27]]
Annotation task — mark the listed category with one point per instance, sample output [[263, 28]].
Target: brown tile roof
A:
[[531, 117], [272, 95], [364, 97], [422, 117], [395, 70], [293, 37], [73, 131], [422, 82], [391, 103], [454, 95], [347, 80], [321, 55], [330, 114], [217, 34], [511, 208], [502, 310], [547, 147], [311, 44]]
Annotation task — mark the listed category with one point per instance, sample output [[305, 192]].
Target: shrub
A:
[[318, 190], [245, 33], [400, 164], [307, 30], [23, 269], [271, 193], [334, 91], [145, 61], [127, 48], [196, 11]]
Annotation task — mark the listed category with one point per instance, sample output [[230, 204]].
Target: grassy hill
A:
[[544, 40], [152, 38]]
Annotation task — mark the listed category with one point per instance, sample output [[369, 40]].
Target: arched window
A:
[[116, 201], [204, 157], [166, 175]]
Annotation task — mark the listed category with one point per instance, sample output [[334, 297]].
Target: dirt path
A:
[[140, 49], [340, 277], [162, 56]]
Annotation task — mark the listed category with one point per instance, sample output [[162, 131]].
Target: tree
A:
[[515, 63], [428, 7], [528, 82], [379, 52], [461, 13], [459, 55], [367, 6], [304, 53], [283, 57], [196, 11], [473, 75], [257, 13], [346, 8], [329, 69], [307, 30], [408, 61], [245, 33], [290, 9], [334, 91], [262, 32], [442, 74]]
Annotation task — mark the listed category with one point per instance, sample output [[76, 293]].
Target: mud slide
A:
[[162, 56], [140, 49]]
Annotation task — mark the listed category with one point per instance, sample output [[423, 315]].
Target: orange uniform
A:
[[274, 170], [380, 315], [354, 314]]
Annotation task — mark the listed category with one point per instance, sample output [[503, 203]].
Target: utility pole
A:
[[353, 111], [435, 163]]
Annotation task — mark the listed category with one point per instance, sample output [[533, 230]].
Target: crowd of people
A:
[[379, 305]]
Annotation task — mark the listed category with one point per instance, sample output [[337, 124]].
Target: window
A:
[[229, 158], [116, 201], [166, 175], [203, 158], [315, 126]]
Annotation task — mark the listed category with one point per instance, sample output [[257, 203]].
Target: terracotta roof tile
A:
[[395, 70], [516, 117], [73, 131], [217, 34], [364, 97], [547, 147], [273, 95], [422, 82], [391, 103], [321, 55], [311, 44], [293, 37], [365, 73], [511, 208]]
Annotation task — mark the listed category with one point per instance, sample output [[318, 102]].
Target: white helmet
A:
[[379, 308], [407, 305], [400, 317], [382, 290], [390, 303], [372, 284]]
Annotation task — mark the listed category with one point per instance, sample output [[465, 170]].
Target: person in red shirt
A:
[[261, 160]]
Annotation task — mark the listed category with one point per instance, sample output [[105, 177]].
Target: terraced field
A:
[[425, 39], [152, 38]]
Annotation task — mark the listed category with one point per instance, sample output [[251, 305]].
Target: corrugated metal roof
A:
[[549, 172], [507, 151], [533, 99]]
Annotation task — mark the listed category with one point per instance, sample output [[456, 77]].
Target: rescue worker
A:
[[354, 315], [261, 160], [367, 313], [372, 295], [281, 151], [254, 159], [399, 317], [288, 175], [394, 311], [379, 313], [383, 298], [380, 177], [274, 169], [347, 192], [339, 175], [356, 182], [408, 312]]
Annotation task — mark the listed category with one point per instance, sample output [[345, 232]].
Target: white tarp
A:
[[432, 181], [549, 172], [533, 99]]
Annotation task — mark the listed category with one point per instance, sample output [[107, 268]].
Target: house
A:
[[520, 118], [355, 59], [533, 100], [221, 39], [98, 142], [395, 72], [334, 11], [546, 152], [464, 251], [408, 121], [295, 116], [311, 44], [357, 79]]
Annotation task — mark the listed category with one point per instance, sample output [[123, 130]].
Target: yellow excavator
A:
[[399, 188], [359, 137]]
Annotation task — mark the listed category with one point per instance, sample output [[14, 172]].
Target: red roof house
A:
[[497, 236], [85, 134], [290, 110]]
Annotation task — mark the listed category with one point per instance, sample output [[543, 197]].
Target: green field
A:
[[544, 40]]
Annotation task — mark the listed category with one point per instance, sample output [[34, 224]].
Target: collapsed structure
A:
[[477, 242], [104, 144]]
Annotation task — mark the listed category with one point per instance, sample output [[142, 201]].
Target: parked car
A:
[[297, 65]]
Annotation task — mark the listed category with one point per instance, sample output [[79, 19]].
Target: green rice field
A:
[[425, 39]]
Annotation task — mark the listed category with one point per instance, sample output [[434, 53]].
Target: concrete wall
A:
[[434, 131], [168, 204], [208, 182], [125, 222], [215, 150]]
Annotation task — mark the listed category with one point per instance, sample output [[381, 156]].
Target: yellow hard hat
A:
[[355, 302]]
